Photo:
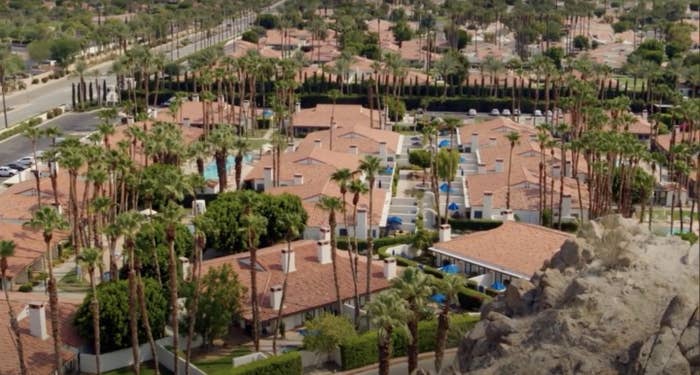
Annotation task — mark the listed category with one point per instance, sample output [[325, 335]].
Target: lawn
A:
[[220, 365]]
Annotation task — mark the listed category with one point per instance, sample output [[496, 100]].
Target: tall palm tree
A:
[[448, 162], [513, 138], [242, 146], [388, 312], [252, 225], [199, 241], [413, 286], [7, 249], [222, 140], [370, 167], [448, 286], [333, 205], [342, 178], [34, 134], [357, 188], [90, 258], [49, 220]]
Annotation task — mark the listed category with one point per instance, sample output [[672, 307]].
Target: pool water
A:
[[210, 169]]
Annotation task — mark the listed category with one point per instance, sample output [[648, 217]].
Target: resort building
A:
[[344, 115]]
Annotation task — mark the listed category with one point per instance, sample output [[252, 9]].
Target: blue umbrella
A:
[[450, 268], [439, 298], [267, 113], [497, 285], [462, 160], [444, 187], [394, 220], [444, 143], [389, 170], [453, 206]]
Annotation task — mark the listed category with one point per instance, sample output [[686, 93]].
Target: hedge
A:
[[474, 225], [344, 242], [17, 129], [362, 350], [285, 364]]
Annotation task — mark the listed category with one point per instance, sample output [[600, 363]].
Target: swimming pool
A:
[[210, 169]]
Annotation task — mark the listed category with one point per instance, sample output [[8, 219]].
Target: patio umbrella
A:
[[462, 160], [444, 143], [394, 220], [453, 206], [450, 268], [497, 285], [389, 170], [439, 298], [444, 187]]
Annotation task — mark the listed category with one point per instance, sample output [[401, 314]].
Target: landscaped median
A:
[[362, 350], [284, 364]]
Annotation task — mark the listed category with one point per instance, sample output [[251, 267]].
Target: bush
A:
[[285, 364], [344, 242], [581, 42], [622, 26], [44, 79], [250, 36], [26, 288], [268, 21], [35, 81], [474, 225], [362, 350]]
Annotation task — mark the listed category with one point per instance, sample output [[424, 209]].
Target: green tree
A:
[[90, 259], [113, 298], [413, 286], [219, 302], [10, 64], [7, 250], [328, 331], [63, 50], [252, 227], [448, 286], [222, 140], [402, 32], [333, 205], [34, 134], [370, 167], [448, 162], [49, 220], [421, 158], [388, 312], [513, 139]]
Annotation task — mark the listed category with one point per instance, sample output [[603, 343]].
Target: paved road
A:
[[40, 98], [400, 367]]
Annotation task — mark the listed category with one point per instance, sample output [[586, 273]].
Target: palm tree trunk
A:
[[144, 315], [279, 311], [254, 297], [412, 347], [384, 346], [132, 313], [335, 262], [192, 310], [53, 305], [95, 320], [172, 264], [370, 243], [14, 325], [441, 336]]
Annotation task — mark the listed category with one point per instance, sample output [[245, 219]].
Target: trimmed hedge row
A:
[[17, 129], [344, 242], [285, 364], [362, 350], [474, 225]]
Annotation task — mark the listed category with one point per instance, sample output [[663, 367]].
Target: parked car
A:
[[506, 112], [6, 171], [550, 115], [537, 113], [27, 161], [17, 167], [495, 112], [516, 112], [472, 112]]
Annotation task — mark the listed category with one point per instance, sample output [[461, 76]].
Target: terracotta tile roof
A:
[[365, 138], [294, 37], [219, 113], [38, 353], [29, 246], [516, 248], [319, 217], [344, 115], [23, 196], [309, 287]]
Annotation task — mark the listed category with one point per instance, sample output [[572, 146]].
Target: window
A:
[[477, 215], [343, 232]]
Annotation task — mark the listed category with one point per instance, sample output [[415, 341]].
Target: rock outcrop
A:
[[616, 299]]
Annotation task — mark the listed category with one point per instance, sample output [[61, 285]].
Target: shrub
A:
[[250, 36], [285, 364], [44, 79], [622, 26], [49, 115], [474, 225], [470, 299], [344, 242], [26, 288], [35, 81], [267, 20]]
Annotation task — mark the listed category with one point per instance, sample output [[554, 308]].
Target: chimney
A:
[[323, 252], [645, 114], [445, 233], [276, 297], [568, 169], [507, 215], [492, 141], [288, 261], [298, 179], [325, 233], [354, 150], [566, 206], [581, 176], [382, 151], [37, 320], [475, 142], [317, 143], [487, 204], [556, 171], [389, 268], [481, 168], [199, 207], [186, 121], [267, 178], [362, 223], [185, 264], [499, 165], [195, 98], [297, 107]]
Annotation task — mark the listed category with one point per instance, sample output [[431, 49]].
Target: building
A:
[[494, 257], [310, 283], [344, 115], [32, 311]]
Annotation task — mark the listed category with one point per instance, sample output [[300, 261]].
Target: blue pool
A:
[[210, 169]]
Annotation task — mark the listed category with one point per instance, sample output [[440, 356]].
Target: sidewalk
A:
[[399, 366]]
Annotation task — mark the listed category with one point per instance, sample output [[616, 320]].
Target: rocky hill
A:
[[616, 300]]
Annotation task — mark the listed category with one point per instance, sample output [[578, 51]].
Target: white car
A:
[[7, 172], [516, 112], [27, 160], [472, 112], [506, 112], [495, 112], [537, 113]]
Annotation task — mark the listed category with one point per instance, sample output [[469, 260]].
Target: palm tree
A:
[[222, 140], [370, 166], [357, 188], [49, 220], [452, 124], [332, 205], [91, 257], [290, 223], [7, 249], [199, 241], [333, 94], [34, 134], [342, 177], [252, 225], [242, 146], [72, 158], [448, 286], [10, 64], [413, 286], [388, 313], [448, 161], [513, 138]]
